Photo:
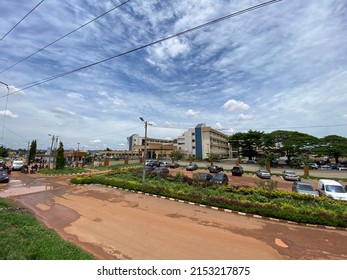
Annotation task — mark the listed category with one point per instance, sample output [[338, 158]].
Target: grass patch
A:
[[65, 171], [261, 201], [23, 237]]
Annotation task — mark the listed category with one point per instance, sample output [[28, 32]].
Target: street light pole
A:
[[145, 154], [50, 152]]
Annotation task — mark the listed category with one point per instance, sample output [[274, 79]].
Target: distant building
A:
[[156, 148], [202, 141]]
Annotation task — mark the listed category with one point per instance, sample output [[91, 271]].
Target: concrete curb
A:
[[221, 209]]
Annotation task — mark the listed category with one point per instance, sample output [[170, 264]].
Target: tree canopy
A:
[[290, 144]]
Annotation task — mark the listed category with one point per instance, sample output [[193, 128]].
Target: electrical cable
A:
[[150, 44], [64, 36], [3, 37]]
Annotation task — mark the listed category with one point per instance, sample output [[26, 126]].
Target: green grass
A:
[[65, 171], [23, 237]]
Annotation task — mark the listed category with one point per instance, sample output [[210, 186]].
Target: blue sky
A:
[[283, 66]]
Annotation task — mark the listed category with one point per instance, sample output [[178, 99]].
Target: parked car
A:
[[263, 174], [202, 176], [174, 165], [332, 189], [289, 175], [251, 162], [4, 178], [164, 163], [237, 171], [192, 167], [325, 167], [215, 169], [304, 188], [220, 178], [161, 171], [152, 162], [17, 165], [313, 166], [341, 168]]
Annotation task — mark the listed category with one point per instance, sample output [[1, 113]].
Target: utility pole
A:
[[50, 152], [145, 155]]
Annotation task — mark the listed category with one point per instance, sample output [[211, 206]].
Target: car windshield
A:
[[335, 189], [291, 173], [218, 177], [305, 187], [263, 171]]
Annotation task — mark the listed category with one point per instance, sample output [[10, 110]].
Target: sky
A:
[[281, 66]]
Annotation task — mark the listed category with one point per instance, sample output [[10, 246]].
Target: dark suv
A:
[[237, 171]]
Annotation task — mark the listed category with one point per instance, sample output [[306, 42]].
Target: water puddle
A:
[[18, 187]]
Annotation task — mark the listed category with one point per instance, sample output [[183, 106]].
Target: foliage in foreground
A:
[[22, 237], [260, 201]]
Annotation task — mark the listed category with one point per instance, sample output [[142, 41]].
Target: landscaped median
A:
[[258, 201]]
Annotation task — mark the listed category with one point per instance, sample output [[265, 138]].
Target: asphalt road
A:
[[121, 225]]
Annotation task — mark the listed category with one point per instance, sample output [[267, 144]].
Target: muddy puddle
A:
[[18, 187]]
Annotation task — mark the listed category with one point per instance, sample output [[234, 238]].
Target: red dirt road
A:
[[116, 224]]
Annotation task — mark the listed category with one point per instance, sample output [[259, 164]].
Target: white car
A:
[[332, 189], [17, 164]]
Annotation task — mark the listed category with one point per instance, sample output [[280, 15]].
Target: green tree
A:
[[3, 152], [333, 145], [32, 151], [247, 144], [289, 143], [60, 158], [176, 155]]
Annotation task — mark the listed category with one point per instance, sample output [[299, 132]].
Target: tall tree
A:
[[3, 152], [60, 158], [290, 143], [333, 145], [247, 143], [32, 151]]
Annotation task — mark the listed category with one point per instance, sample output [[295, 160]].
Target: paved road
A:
[[116, 224]]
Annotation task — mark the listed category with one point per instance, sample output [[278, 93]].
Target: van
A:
[[332, 189], [17, 164]]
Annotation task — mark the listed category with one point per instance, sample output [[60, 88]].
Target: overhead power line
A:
[[289, 127], [64, 36], [149, 44], [3, 37]]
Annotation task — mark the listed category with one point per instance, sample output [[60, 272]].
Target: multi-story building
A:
[[203, 141], [155, 147]]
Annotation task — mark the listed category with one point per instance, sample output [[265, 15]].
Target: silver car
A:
[[304, 188], [289, 175], [264, 174]]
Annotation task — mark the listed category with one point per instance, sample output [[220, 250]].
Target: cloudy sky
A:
[[86, 76]]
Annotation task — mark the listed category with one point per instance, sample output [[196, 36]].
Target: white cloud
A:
[[62, 111], [243, 117], [8, 114], [170, 49], [192, 113], [95, 141], [234, 105]]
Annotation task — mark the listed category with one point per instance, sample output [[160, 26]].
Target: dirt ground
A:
[[115, 224]]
